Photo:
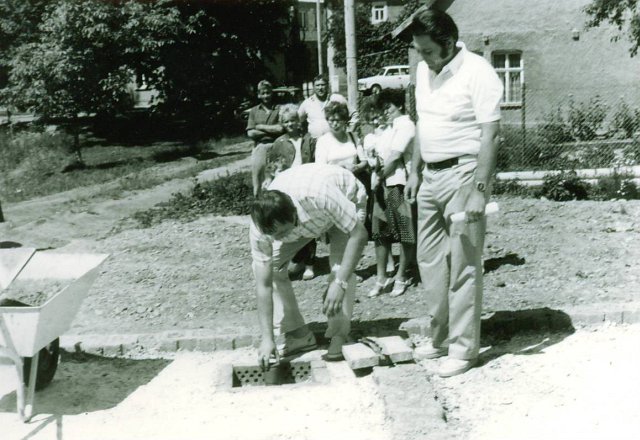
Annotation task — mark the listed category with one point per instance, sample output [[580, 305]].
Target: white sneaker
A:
[[308, 273], [380, 288], [428, 351], [453, 367]]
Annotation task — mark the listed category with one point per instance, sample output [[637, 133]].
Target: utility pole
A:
[[350, 43], [319, 36]]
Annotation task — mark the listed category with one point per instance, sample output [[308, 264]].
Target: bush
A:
[[586, 119], [625, 121], [564, 186], [615, 186], [228, 195], [511, 187], [555, 129], [596, 156], [631, 153]]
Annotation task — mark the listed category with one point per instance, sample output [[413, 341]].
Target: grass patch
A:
[[33, 164], [228, 195]]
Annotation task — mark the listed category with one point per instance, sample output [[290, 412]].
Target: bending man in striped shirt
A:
[[301, 204]]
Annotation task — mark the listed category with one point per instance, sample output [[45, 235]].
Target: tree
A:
[[374, 46], [84, 56], [620, 13], [210, 70]]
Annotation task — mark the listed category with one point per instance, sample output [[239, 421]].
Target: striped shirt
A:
[[324, 196]]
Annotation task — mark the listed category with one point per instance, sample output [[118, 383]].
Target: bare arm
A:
[[392, 163], [413, 182], [264, 295], [270, 128], [352, 253], [487, 159]]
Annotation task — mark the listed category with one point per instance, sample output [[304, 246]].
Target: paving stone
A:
[[360, 356], [396, 348], [416, 415]]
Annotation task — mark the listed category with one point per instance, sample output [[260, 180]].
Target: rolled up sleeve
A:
[[261, 246]]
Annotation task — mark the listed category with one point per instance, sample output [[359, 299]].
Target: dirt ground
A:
[[539, 254]]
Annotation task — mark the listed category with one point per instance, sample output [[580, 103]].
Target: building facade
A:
[[545, 55]]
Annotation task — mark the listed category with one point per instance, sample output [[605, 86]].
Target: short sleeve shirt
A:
[[313, 110], [262, 115], [399, 138], [324, 195], [452, 104]]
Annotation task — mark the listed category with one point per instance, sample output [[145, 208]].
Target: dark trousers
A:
[[306, 255]]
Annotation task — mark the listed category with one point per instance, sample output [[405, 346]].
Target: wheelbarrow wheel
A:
[[47, 365], [48, 356]]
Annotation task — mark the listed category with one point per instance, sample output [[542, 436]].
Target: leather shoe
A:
[[428, 351], [453, 367], [293, 345]]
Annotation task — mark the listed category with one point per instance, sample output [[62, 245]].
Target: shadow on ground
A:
[[511, 332], [497, 328], [491, 264], [86, 383]]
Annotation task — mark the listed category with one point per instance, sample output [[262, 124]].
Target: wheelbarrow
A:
[[30, 333]]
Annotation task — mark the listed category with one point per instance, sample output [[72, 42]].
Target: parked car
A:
[[281, 95], [389, 77]]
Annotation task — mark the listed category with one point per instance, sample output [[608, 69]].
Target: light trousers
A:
[[286, 314], [449, 257]]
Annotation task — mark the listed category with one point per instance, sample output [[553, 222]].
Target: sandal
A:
[[399, 287], [379, 288]]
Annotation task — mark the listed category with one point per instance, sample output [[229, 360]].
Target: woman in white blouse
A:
[[393, 218], [339, 146]]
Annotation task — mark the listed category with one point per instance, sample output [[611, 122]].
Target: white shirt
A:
[[398, 137], [331, 151], [451, 105], [313, 110], [297, 145]]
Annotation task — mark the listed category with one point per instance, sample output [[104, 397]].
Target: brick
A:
[[616, 317], [223, 377], [242, 341], [321, 375], [587, 318], [360, 356], [224, 343], [207, 344], [168, 345], [396, 348], [417, 326], [187, 344], [112, 349], [631, 316]]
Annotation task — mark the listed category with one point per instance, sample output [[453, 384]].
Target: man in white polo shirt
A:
[[301, 204], [458, 98], [311, 111]]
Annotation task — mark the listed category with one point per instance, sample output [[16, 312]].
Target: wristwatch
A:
[[342, 284], [480, 186]]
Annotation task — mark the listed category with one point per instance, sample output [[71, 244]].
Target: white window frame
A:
[[379, 13], [508, 70]]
